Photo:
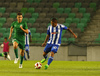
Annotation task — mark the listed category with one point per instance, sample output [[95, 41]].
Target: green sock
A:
[[21, 59], [1, 54], [16, 52]]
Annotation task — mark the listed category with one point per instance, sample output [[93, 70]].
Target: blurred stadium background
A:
[[82, 16]]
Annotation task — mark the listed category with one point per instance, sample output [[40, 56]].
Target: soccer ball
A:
[[2, 45], [38, 65]]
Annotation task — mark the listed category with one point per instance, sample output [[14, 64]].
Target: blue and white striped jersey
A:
[[27, 37], [55, 34]]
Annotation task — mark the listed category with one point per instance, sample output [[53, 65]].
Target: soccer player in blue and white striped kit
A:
[[53, 37], [27, 36]]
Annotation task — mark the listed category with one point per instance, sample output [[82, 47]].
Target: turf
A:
[[57, 68]]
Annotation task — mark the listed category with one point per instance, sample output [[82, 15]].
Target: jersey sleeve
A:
[[63, 27], [26, 27], [13, 24], [48, 31], [29, 32]]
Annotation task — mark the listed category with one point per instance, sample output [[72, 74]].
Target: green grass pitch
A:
[[57, 68]]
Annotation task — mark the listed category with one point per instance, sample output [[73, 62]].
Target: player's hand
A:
[[75, 36], [10, 37], [44, 44]]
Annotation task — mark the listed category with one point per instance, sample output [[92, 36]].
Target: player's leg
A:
[[21, 57], [15, 45], [6, 55], [22, 48], [24, 56], [45, 53], [49, 60], [51, 57], [53, 51], [27, 50], [28, 55]]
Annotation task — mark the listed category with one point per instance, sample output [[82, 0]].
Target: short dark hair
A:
[[5, 38], [54, 20], [19, 13]]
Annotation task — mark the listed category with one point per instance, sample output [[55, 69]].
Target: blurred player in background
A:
[[28, 38], [5, 47], [20, 28], [53, 37]]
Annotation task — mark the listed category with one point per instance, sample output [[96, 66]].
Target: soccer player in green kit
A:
[[20, 28]]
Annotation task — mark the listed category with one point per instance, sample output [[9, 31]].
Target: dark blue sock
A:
[[50, 60], [27, 52], [46, 56], [24, 56]]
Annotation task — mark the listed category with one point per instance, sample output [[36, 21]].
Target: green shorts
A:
[[21, 44]]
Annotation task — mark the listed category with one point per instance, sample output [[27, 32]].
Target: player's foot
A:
[[16, 60], [20, 66], [25, 59], [43, 60], [8, 57], [28, 56], [46, 66]]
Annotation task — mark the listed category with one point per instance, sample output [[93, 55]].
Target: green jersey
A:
[[18, 33]]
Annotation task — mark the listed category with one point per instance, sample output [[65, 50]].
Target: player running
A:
[[53, 37], [20, 28], [5, 47], [27, 36]]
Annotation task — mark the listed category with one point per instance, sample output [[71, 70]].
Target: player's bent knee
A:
[[22, 52], [44, 54], [52, 54], [15, 45]]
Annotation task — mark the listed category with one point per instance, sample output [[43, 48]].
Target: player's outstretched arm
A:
[[47, 38], [72, 32], [25, 30], [11, 30]]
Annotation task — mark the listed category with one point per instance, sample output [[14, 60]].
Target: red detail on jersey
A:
[[53, 33]]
